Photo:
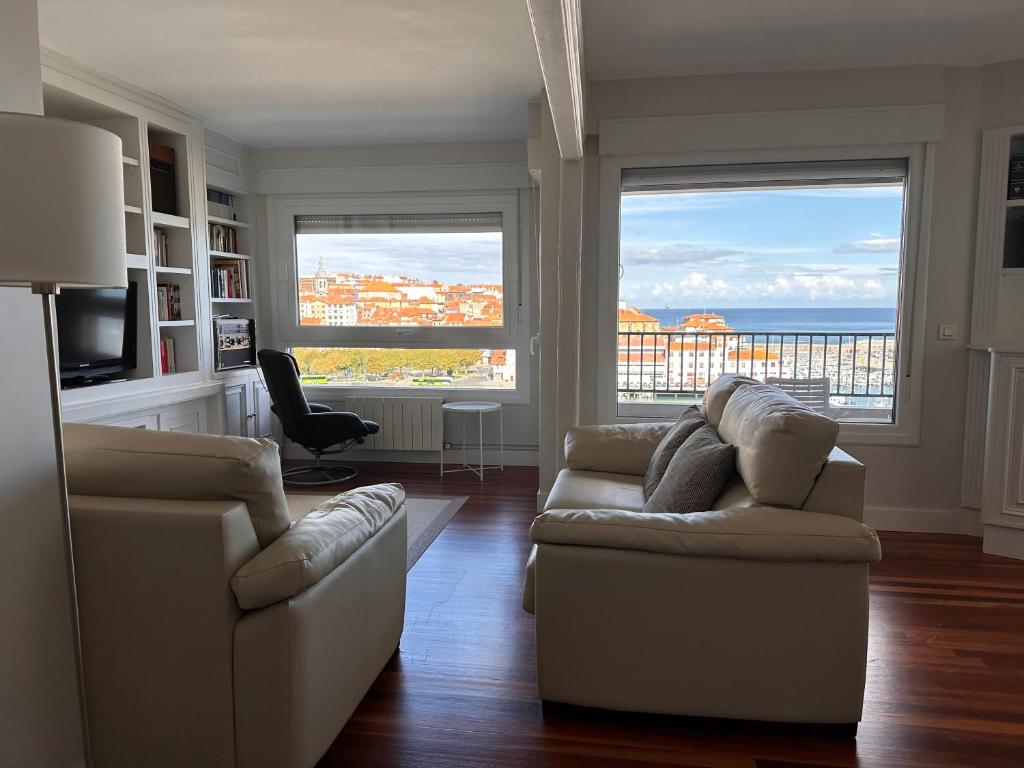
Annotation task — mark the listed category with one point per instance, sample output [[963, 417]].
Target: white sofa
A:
[[749, 610], [214, 632]]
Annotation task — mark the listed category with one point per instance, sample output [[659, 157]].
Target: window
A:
[[411, 292], [792, 272]]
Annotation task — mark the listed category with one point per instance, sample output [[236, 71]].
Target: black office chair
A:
[[315, 427]]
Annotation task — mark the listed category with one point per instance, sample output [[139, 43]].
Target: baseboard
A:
[[1004, 542], [921, 520], [515, 456]]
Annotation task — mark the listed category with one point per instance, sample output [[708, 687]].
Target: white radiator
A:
[[406, 423]]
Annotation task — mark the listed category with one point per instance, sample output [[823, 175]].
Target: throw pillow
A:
[[696, 475], [688, 423]]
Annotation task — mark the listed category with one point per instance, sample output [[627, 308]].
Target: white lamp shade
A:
[[61, 203]]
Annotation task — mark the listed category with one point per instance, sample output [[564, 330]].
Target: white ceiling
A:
[[660, 38], [316, 72]]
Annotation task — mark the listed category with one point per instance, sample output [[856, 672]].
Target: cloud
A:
[[874, 244], [693, 286], [677, 254]]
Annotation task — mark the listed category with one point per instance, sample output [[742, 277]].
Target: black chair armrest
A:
[[320, 408]]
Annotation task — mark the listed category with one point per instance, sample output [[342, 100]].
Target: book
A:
[[229, 279], [220, 204], [161, 247], [223, 239], [167, 363], [168, 302]]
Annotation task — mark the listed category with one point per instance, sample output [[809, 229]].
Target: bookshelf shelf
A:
[[176, 323], [173, 270], [228, 222], [133, 209], [137, 261], [129, 160], [228, 255], [167, 220], [1015, 203], [215, 300]]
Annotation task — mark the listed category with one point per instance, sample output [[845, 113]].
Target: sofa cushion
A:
[[781, 444], [718, 393], [582, 489], [620, 448], [695, 476], [147, 464], [688, 423], [751, 533], [316, 544]]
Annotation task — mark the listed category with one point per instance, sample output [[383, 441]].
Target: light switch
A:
[[947, 332]]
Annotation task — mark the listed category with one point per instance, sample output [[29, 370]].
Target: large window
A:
[[403, 292], [787, 272]]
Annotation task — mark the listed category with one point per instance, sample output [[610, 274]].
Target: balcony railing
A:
[[851, 375]]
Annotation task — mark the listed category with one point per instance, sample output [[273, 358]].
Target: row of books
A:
[[229, 279], [168, 301], [220, 204], [161, 247], [166, 354], [223, 239], [1016, 190]]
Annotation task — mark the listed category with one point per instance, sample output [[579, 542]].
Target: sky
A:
[[451, 257], [812, 247]]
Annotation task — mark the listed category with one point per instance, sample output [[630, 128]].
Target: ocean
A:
[[793, 320]]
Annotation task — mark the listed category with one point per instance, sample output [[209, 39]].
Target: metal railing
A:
[[661, 366]]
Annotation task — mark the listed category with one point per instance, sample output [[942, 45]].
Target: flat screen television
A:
[[96, 334]]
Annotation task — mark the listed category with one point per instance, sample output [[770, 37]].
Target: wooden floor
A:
[[945, 664]]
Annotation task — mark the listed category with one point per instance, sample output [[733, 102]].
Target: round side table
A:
[[466, 409]]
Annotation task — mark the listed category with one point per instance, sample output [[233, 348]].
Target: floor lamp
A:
[[61, 226]]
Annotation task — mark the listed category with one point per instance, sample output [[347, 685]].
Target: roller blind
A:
[[761, 175], [396, 223]]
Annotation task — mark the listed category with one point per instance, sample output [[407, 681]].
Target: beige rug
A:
[[426, 516]]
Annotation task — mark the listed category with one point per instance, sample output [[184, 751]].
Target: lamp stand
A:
[[47, 291]]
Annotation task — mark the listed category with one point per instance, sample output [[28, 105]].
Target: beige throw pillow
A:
[[696, 475], [689, 422], [717, 395]]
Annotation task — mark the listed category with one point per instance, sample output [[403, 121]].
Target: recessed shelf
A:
[[137, 260], [175, 323], [1015, 203], [227, 222], [215, 300], [167, 220], [129, 160], [133, 209], [173, 270], [1014, 271], [228, 255]]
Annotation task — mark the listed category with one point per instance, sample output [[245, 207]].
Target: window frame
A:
[[512, 334], [905, 430]]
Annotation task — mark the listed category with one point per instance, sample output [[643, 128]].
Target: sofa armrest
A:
[[743, 533], [316, 544], [625, 449]]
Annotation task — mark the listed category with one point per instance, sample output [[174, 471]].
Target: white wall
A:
[[919, 486], [470, 166], [38, 709]]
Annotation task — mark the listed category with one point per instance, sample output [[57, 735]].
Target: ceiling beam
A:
[[557, 30]]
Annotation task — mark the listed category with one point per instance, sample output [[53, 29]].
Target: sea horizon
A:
[[844, 320]]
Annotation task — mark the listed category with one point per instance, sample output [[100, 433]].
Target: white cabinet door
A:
[[139, 421], [180, 421], [262, 415], [236, 410]]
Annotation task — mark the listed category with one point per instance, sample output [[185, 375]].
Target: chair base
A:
[[319, 474]]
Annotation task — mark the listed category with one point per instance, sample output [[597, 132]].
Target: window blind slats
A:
[[760, 175], [398, 222]]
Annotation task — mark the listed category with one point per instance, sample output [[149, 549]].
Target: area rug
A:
[[426, 517]]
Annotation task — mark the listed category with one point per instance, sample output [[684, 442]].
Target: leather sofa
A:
[[756, 609], [214, 631]]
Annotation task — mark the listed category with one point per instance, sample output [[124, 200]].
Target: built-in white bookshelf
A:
[[230, 241], [145, 213]]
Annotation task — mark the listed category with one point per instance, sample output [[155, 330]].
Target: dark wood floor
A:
[[945, 663]]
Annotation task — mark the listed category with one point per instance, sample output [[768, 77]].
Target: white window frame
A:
[[512, 334], [914, 269]]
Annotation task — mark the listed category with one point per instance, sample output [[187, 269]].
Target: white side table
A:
[[467, 409]]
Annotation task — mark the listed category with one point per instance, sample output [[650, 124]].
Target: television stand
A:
[[75, 382]]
